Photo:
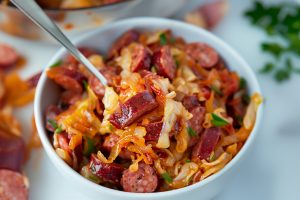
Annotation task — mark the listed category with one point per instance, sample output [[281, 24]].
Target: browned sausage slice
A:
[[141, 58], [107, 172], [68, 78], [133, 108], [110, 73], [144, 180], [164, 62], [206, 144], [12, 150], [8, 56], [196, 121], [13, 185], [124, 40], [202, 53], [190, 102], [153, 130]]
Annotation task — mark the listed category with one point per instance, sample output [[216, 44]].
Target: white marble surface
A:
[[271, 172]]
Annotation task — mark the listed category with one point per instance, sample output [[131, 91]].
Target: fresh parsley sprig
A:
[[282, 22]]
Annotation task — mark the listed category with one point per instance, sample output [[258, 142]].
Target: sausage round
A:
[[206, 144], [202, 53], [12, 150], [141, 58], [144, 180], [124, 40], [8, 56], [13, 185], [164, 62]]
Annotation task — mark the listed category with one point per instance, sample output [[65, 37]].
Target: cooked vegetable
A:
[[150, 130]]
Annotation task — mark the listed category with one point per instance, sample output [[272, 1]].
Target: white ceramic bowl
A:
[[47, 92]]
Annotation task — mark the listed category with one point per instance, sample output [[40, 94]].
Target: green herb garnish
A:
[[191, 132], [243, 83], [282, 22], [267, 68], [212, 157], [177, 63], [53, 123], [58, 130], [273, 48], [163, 39], [218, 121], [89, 147], [216, 90], [85, 84], [56, 64], [187, 161], [167, 177]]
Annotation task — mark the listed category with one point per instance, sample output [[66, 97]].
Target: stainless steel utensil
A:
[[38, 16]]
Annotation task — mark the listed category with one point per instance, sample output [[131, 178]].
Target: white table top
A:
[[271, 172]]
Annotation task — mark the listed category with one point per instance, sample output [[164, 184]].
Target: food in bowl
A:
[[172, 114]]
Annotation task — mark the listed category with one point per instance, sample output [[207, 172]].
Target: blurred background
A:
[[265, 33]]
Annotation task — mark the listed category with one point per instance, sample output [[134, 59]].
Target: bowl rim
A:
[[80, 9], [143, 21]]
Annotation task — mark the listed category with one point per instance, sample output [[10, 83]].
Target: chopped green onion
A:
[[58, 130], [191, 132], [167, 177], [56, 64], [89, 147], [187, 161], [212, 157], [53, 123], [216, 90], [85, 84], [218, 121], [177, 63], [243, 83], [163, 39]]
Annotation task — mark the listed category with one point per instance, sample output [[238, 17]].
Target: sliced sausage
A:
[[111, 172], [51, 112], [206, 144], [33, 80], [8, 56], [133, 108], [141, 58], [196, 121], [164, 62], [110, 141], [86, 51], [13, 185], [153, 130], [124, 40], [144, 180], [202, 53], [190, 102], [68, 78], [12, 150], [110, 73], [69, 98]]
